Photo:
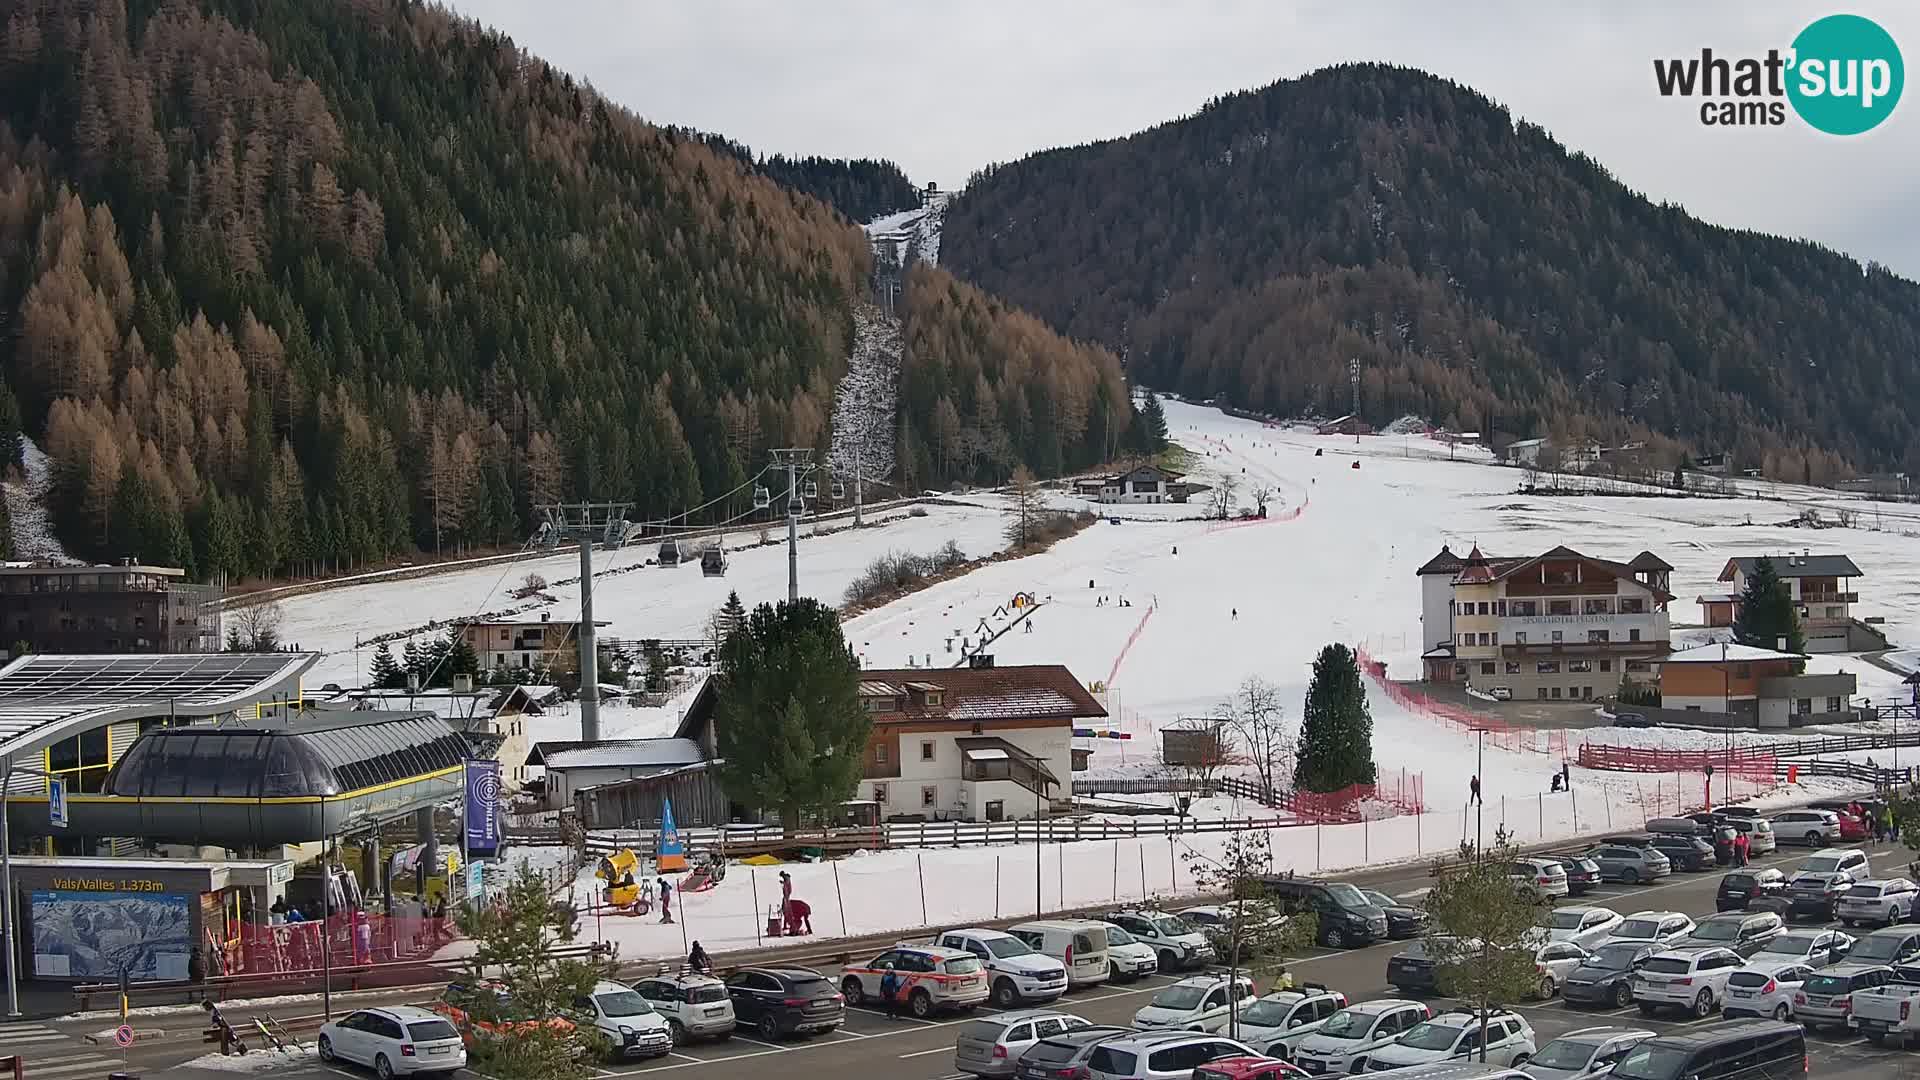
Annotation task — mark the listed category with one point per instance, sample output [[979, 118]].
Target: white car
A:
[[1542, 879], [395, 1040], [625, 1020], [1651, 928], [1586, 926], [1216, 922], [1341, 1044], [1174, 941], [1457, 1035], [1585, 1053], [1849, 861], [1691, 979], [1814, 948], [1814, 828], [1199, 1003], [1016, 971], [1275, 1023], [1501, 693], [1127, 958], [696, 1006], [1555, 961], [1765, 988], [1882, 900]]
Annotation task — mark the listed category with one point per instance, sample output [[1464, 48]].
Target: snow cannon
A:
[[1356, 464]]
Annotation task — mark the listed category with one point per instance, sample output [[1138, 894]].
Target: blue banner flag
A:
[[482, 810], [673, 853]]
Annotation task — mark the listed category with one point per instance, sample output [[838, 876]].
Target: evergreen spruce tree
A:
[[1766, 612], [412, 662], [385, 674], [6, 530], [732, 614], [790, 727], [1336, 728], [1151, 422], [457, 658]]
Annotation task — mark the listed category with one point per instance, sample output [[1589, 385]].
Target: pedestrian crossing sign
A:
[[57, 802]]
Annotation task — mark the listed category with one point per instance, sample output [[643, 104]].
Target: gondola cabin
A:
[[670, 553], [713, 562]]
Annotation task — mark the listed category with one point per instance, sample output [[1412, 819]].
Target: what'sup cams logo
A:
[[1842, 76]]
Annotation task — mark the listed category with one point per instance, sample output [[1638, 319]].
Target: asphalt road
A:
[[871, 1045]]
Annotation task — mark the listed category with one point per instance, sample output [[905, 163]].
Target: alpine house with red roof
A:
[[1556, 625]]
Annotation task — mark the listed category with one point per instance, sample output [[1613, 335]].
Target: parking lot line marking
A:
[[841, 1032], [690, 1057], [924, 1053], [756, 1042]]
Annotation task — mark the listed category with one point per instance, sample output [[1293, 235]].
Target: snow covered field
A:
[[646, 603]]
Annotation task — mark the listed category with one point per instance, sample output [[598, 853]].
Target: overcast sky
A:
[[943, 89]]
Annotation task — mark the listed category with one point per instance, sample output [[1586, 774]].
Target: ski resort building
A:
[[1821, 588], [128, 608], [1146, 484], [526, 643], [1759, 686], [1554, 626]]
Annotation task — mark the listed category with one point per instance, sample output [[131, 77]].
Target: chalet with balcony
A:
[[1821, 587], [525, 643], [1554, 626], [1144, 484], [971, 744], [1761, 687]]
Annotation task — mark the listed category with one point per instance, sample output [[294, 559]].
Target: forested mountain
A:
[[1482, 274], [862, 189], [296, 285]]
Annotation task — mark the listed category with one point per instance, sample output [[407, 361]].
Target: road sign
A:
[[57, 802], [476, 886], [123, 1036]]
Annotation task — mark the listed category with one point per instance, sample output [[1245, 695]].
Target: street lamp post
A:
[[6, 886], [1726, 719], [1480, 797]]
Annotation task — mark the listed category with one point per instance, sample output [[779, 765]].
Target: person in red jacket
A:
[[1740, 849]]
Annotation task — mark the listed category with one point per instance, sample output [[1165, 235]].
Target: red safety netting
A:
[[1402, 793], [1499, 732], [1645, 759], [356, 939]]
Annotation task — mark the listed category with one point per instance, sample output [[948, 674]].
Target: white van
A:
[[1080, 944]]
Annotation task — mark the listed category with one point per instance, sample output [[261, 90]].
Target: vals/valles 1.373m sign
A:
[[1842, 75]]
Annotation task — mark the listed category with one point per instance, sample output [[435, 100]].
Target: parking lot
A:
[[871, 1044]]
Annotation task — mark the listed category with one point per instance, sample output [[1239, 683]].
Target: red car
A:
[[1248, 1068], [1853, 828]]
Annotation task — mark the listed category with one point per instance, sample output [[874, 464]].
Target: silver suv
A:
[[1161, 1055], [990, 1045], [1629, 864]]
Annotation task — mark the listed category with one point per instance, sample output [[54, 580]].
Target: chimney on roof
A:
[[127, 561], [545, 615], [980, 660]]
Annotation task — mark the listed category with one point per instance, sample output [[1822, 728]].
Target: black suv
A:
[[1685, 852], [1741, 889], [1347, 917], [1746, 1050], [777, 1001]]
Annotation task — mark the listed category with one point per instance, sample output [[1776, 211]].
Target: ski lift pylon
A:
[[762, 498]]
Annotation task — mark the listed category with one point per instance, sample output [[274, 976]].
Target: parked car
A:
[[1814, 896], [1275, 1023], [933, 978], [1630, 865], [395, 1040], [1759, 833], [1583, 874], [1850, 861], [1216, 921], [1159, 1055], [1826, 998], [1745, 933], [1765, 987], [1412, 970], [1582, 925], [1128, 959], [1196, 1003], [1584, 1053], [1892, 946], [1606, 976], [1016, 971], [1541, 879], [1814, 828], [1247, 1068], [696, 1006], [1341, 1044], [1689, 853], [1456, 1034], [1886, 1011], [625, 1020], [1554, 961], [1065, 1054], [1746, 1050], [1680, 826], [1877, 900], [1661, 928], [1403, 920], [1175, 942], [1853, 828], [1817, 948], [1691, 979], [991, 1045], [1631, 720], [1740, 889], [778, 1001], [1078, 945], [1461, 1069], [1501, 693], [1347, 917]]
